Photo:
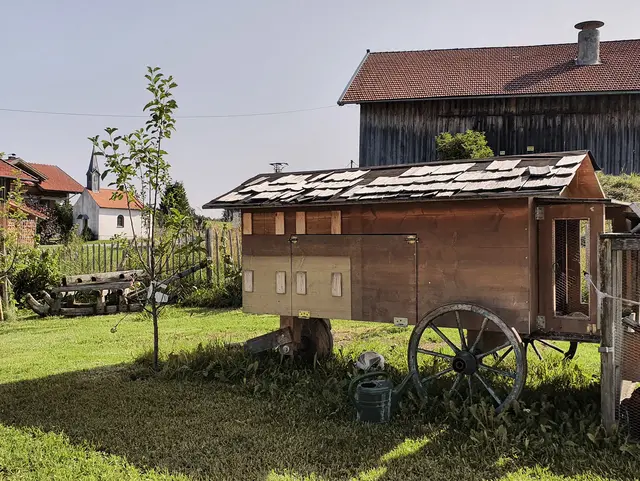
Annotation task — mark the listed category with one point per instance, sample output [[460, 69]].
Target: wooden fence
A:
[[114, 256]]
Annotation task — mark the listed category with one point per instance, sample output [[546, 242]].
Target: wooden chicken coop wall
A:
[[468, 251]]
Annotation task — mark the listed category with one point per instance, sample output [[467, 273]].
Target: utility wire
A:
[[222, 116]]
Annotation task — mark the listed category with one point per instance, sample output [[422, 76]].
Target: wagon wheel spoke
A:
[[445, 338], [456, 382], [506, 353], [535, 349], [488, 388], [492, 369], [552, 346], [463, 341], [470, 389], [493, 351], [436, 375], [435, 354], [477, 339]]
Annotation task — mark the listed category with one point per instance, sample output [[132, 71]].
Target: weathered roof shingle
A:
[[526, 175]]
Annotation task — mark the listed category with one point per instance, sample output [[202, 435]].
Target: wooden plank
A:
[[336, 284], [279, 223], [217, 257], [281, 282], [318, 222], [264, 223], [336, 222], [102, 277], [533, 264], [111, 246], [247, 277], [301, 283], [93, 286], [104, 256], [301, 223], [263, 298], [626, 243], [247, 223]]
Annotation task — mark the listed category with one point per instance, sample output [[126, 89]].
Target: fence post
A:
[[208, 242], [217, 251], [610, 282]]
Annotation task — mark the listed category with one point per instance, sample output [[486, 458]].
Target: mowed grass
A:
[[75, 405]]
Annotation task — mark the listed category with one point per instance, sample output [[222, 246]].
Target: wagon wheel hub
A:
[[464, 363]]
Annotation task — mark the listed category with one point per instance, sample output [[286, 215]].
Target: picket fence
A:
[[116, 256]]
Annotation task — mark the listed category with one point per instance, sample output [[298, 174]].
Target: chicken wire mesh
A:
[[570, 263], [627, 342]]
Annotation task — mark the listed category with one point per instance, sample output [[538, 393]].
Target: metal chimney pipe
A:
[[589, 42]]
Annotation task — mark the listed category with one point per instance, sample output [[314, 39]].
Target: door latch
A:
[[411, 239], [293, 239]]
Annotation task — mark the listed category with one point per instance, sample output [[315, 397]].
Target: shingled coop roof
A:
[[493, 71], [519, 176]]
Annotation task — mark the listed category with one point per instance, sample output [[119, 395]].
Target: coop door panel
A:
[[379, 285], [567, 249], [266, 285]]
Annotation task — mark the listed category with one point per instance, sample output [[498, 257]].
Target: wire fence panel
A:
[[114, 256]]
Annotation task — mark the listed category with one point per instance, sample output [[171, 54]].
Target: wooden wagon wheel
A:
[[465, 365], [569, 354]]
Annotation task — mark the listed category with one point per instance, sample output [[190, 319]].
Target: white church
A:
[[104, 216]]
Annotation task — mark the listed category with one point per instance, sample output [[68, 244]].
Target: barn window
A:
[[120, 221]]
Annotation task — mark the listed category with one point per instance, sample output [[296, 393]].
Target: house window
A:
[[120, 221]]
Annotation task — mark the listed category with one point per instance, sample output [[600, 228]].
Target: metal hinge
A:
[[539, 213], [411, 239], [293, 239]]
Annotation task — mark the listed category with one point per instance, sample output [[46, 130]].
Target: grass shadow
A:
[[214, 413]]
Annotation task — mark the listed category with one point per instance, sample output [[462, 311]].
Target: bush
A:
[[229, 295], [36, 271], [624, 187], [468, 145]]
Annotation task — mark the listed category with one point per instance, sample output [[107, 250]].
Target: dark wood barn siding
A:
[[608, 125]]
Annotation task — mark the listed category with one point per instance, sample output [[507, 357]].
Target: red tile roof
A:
[[493, 71], [104, 200], [13, 172], [28, 210], [56, 179]]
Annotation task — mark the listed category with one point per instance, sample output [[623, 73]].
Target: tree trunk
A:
[[154, 314]]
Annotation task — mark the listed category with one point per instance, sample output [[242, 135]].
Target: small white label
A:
[[400, 321]]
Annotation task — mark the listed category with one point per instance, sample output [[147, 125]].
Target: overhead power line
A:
[[206, 116]]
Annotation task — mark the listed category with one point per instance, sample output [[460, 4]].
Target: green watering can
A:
[[376, 399]]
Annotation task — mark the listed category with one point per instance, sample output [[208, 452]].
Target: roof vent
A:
[[589, 42]]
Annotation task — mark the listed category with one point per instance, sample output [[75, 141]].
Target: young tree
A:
[[468, 145], [138, 163]]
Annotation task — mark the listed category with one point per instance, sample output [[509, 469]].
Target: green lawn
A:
[[75, 405]]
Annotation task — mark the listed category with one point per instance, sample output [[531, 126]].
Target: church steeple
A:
[[93, 173]]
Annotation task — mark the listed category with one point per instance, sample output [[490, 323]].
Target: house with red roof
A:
[[103, 212], [9, 174], [527, 99], [49, 183]]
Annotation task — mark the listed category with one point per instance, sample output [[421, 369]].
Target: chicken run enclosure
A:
[[491, 256]]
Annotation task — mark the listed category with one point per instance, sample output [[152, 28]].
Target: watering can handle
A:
[[356, 380]]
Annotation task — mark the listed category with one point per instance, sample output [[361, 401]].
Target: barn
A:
[[527, 99]]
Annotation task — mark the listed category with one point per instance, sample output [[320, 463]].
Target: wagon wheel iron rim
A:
[[466, 366], [569, 354]]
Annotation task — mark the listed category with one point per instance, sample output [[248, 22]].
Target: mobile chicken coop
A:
[[485, 256]]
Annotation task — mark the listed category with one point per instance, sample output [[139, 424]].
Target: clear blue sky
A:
[[238, 57]]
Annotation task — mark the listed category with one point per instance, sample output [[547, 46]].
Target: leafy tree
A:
[[138, 163], [58, 225], [468, 145], [11, 248], [175, 197]]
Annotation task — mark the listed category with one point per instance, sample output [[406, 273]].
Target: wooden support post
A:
[[610, 282]]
